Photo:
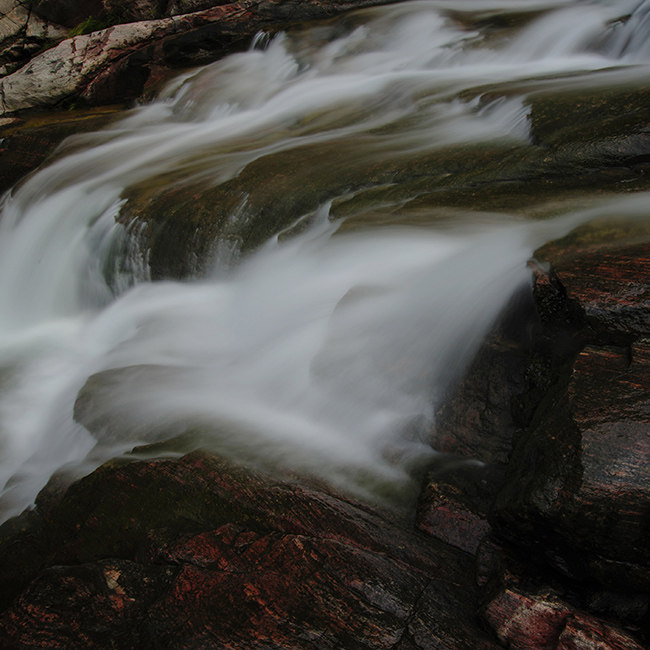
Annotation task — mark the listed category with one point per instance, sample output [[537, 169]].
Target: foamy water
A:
[[317, 352]]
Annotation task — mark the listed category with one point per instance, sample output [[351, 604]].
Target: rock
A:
[[578, 484], [582, 115], [23, 34], [205, 553], [475, 418], [25, 144], [527, 622], [177, 7], [542, 621], [454, 503], [76, 67], [612, 290], [100, 605], [113, 64], [585, 633], [22, 554], [69, 12]]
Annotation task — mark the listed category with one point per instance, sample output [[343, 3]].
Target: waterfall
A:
[[319, 351]]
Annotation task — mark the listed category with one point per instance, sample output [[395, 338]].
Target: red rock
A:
[[214, 555], [579, 484], [612, 288], [586, 633], [90, 606], [454, 502], [527, 621]]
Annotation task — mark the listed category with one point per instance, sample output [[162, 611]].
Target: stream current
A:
[[323, 350]]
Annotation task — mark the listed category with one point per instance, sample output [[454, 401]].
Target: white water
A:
[[317, 352]]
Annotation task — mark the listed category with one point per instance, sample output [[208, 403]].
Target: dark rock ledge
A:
[[560, 525]]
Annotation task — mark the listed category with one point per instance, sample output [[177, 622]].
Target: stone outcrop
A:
[[23, 34], [116, 63], [580, 470], [560, 536]]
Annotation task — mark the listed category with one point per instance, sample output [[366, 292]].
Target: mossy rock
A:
[[27, 143], [600, 235], [590, 115]]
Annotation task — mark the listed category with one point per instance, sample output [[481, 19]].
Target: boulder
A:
[[78, 67], [23, 34], [578, 486], [114, 64], [542, 621]]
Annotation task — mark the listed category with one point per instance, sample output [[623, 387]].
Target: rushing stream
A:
[[324, 349]]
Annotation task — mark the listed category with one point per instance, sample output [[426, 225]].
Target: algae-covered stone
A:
[[27, 143]]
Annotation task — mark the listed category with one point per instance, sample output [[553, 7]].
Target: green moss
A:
[[91, 24]]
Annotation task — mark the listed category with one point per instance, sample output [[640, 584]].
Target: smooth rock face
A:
[[26, 144]]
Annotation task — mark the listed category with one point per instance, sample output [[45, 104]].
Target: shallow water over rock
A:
[[286, 324]]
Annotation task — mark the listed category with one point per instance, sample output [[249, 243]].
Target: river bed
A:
[[335, 276]]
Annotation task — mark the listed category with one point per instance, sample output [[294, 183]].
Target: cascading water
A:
[[318, 351]]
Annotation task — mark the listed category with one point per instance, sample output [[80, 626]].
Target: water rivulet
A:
[[290, 253]]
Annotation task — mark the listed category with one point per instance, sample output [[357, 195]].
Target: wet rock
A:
[[100, 605], [22, 554], [584, 115], [455, 500], [475, 418], [577, 485], [543, 621], [586, 633], [530, 607], [113, 64], [205, 553], [612, 290], [523, 621], [25, 144], [576, 492]]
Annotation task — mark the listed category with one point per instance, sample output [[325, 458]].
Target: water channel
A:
[[321, 283]]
